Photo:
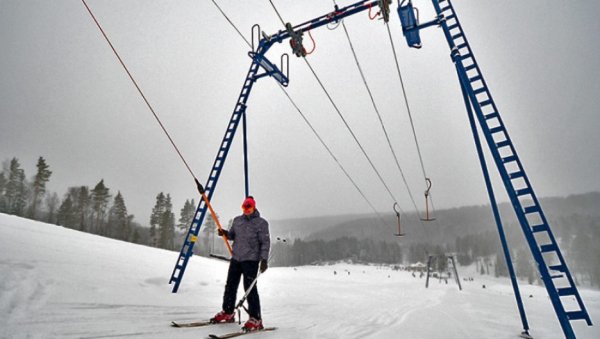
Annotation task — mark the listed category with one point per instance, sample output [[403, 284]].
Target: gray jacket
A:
[[251, 239]]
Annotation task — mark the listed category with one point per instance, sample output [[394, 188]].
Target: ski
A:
[[239, 333], [195, 324]]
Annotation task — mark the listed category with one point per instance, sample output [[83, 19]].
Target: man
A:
[[251, 243]]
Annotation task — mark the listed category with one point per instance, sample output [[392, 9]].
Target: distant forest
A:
[[94, 209], [468, 232]]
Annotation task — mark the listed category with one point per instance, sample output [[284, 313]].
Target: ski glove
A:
[[222, 232], [263, 266]]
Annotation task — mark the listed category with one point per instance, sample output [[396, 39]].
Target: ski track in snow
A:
[[61, 283]]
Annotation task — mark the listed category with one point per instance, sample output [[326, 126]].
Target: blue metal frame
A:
[[531, 217], [259, 61], [478, 99], [492, 197]]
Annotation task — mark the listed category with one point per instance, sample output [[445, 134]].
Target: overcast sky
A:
[[64, 96]]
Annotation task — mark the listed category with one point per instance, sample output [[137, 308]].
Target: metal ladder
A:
[[192, 234], [269, 69], [555, 274]]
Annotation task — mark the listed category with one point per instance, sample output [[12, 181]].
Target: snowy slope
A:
[[60, 283]]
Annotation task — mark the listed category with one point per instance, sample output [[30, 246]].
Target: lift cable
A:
[[406, 100], [232, 24], [342, 117], [379, 117], [309, 124], [276, 11], [331, 154], [140, 91], [350, 130], [408, 107]]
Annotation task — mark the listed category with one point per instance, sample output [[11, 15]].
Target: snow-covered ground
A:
[[60, 283]]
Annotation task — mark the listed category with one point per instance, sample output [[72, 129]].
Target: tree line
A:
[[99, 211], [94, 209], [578, 244], [302, 252]]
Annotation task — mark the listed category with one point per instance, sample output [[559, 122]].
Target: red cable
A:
[[369, 14], [314, 44]]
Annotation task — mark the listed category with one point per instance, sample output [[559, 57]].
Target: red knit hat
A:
[[249, 203]]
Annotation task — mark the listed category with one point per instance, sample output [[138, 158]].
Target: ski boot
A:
[[253, 324], [223, 317]]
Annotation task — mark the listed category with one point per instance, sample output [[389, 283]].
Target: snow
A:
[[60, 283]]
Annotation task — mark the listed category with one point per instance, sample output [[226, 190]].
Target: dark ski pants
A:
[[236, 269]]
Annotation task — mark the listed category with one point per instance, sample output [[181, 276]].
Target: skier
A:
[[251, 243]]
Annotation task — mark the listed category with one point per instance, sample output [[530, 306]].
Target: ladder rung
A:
[[485, 103], [503, 144], [212, 178], [453, 26], [462, 45], [509, 159], [450, 17], [468, 68], [548, 248], [496, 129], [558, 276], [560, 268], [539, 228], [475, 78], [466, 56], [445, 8], [491, 116], [523, 191], [532, 209], [479, 90], [516, 175], [456, 36], [574, 315]]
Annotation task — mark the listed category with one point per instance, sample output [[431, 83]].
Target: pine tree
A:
[[100, 198], [52, 202], [167, 225], [82, 206], [39, 185], [500, 268], [119, 219], [66, 216], [210, 227], [186, 215], [16, 189], [3, 182], [155, 218]]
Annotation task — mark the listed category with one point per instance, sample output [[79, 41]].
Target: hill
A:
[[62, 283], [451, 223]]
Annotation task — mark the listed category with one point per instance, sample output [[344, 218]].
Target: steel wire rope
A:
[[412, 125], [140, 91], [342, 117], [362, 75], [308, 122], [350, 130]]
